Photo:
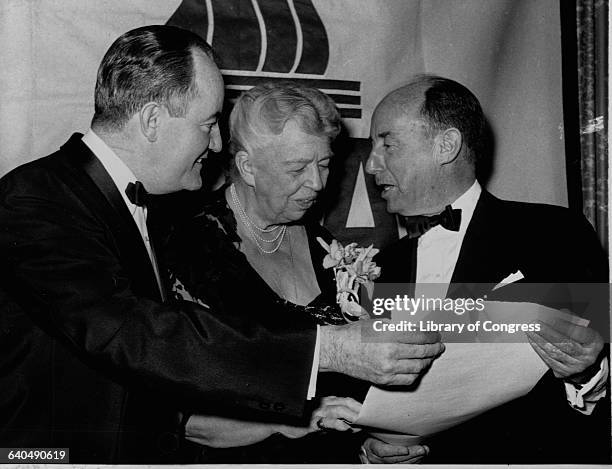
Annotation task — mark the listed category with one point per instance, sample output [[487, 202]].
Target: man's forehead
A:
[[207, 76], [390, 118], [407, 100], [203, 64]]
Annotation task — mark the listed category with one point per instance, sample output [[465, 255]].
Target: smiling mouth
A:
[[200, 160], [306, 203], [386, 188]]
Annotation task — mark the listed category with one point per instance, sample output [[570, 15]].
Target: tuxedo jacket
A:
[[547, 244], [91, 359]]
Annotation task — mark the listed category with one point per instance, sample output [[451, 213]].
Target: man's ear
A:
[[245, 167], [150, 120], [448, 145]]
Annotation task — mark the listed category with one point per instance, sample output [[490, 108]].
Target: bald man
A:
[[427, 138]]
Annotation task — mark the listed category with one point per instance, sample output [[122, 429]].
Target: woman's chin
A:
[[293, 217]]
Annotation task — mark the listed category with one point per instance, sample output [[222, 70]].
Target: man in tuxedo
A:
[[427, 138], [93, 359]]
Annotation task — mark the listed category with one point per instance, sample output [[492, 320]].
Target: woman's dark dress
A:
[[202, 254]]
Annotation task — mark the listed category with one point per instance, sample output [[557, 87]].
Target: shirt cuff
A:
[[312, 386], [363, 455], [584, 397]]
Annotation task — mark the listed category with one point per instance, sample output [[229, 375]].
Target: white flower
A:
[[353, 266], [352, 308], [374, 272], [342, 281]]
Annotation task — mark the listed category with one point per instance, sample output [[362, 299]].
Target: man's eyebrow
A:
[[300, 161], [384, 134]]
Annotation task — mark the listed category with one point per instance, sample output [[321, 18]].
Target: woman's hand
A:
[[334, 413], [377, 452]]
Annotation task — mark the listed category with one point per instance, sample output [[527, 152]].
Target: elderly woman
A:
[[251, 251]]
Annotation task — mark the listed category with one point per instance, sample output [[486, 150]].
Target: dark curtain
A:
[[592, 29], [585, 82]]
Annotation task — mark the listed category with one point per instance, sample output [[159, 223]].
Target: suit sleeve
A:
[[63, 266], [577, 260]]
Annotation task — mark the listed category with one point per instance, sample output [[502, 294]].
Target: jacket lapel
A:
[[485, 257], [108, 204], [398, 263]]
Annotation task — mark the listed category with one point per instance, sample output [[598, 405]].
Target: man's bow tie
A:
[[418, 225], [137, 194]]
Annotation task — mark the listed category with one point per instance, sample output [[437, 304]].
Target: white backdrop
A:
[[506, 51]]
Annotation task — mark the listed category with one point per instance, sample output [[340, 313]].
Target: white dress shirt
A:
[[122, 176], [437, 253], [438, 249]]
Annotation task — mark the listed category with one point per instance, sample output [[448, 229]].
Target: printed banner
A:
[[357, 51]]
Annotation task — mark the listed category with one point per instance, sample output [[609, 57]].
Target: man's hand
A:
[[568, 349], [381, 358], [377, 452]]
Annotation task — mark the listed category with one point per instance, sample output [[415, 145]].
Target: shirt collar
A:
[[114, 166], [467, 203]]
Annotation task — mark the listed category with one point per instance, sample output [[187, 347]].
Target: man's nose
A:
[[215, 144], [374, 163]]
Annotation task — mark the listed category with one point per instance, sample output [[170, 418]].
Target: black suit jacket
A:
[[90, 358], [548, 244]]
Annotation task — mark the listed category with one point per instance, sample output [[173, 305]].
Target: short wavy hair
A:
[[151, 63], [265, 109]]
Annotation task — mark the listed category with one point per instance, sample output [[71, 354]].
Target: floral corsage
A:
[[353, 266]]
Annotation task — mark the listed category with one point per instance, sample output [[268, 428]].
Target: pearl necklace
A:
[[250, 224]]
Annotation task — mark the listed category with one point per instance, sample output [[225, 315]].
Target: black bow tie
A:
[[137, 194], [418, 225]]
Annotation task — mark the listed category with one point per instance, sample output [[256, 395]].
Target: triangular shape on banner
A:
[[360, 214]]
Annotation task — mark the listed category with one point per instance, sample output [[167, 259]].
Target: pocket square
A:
[[515, 277]]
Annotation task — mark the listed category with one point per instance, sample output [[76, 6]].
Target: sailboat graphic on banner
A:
[[267, 40]]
